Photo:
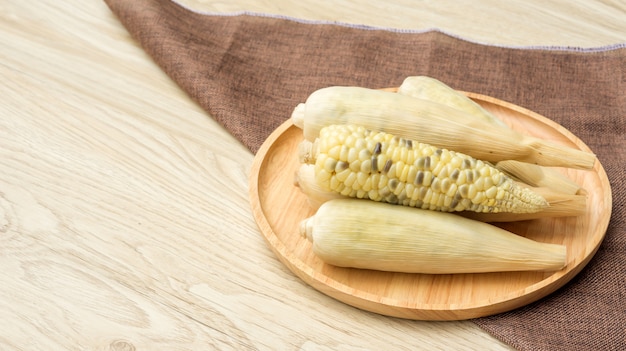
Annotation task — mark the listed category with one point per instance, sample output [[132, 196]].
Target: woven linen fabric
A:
[[249, 71]]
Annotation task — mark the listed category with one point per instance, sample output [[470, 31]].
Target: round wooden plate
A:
[[278, 207]]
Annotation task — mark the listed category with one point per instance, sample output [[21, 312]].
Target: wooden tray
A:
[[278, 207]]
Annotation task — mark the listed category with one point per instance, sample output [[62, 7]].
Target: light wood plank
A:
[[124, 224]]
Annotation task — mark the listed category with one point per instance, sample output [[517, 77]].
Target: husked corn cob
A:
[[373, 235], [357, 162], [432, 123], [559, 204]]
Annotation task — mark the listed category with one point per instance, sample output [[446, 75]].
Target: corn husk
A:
[[538, 176], [428, 88], [378, 236]]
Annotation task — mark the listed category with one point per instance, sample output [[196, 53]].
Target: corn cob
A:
[[559, 204], [430, 123], [304, 179], [370, 235], [428, 88], [431, 89], [356, 162]]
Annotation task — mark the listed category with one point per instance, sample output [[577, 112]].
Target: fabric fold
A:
[[249, 72]]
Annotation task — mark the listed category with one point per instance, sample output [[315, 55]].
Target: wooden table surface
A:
[[124, 214]]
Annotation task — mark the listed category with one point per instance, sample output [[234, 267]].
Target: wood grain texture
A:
[[125, 225], [279, 207]]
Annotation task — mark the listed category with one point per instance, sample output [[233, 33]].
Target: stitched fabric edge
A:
[[602, 48]]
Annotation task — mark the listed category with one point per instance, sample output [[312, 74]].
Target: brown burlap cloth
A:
[[249, 71]]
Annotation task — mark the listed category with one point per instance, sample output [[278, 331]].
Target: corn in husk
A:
[[372, 235], [431, 123], [431, 89]]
